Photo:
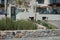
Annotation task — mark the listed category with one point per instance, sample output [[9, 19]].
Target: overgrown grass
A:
[[16, 25], [47, 25]]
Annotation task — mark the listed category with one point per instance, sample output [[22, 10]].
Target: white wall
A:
[[46, 2], [2, 16], [26, 16], [50, 16]]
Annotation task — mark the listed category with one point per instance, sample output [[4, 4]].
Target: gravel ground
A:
[[41, 38]]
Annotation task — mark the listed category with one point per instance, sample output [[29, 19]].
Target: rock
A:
[[19, 35], [3, 33]]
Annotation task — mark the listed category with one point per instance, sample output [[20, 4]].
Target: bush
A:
[[16, 25], [2, 24], [24, 25], [47, 25], [6, 24]]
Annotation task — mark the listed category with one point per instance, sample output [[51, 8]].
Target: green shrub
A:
[[25, 25], [16, 25], [47, 25], [2, 24]]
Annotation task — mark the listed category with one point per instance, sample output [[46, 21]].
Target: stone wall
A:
[[29, 33]]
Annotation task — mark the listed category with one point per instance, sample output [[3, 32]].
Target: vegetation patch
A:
[[47, 25], [16, 25]]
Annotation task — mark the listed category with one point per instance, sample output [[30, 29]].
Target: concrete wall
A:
[[49, 16], [2, 16], [39, 16], [24, 15]]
